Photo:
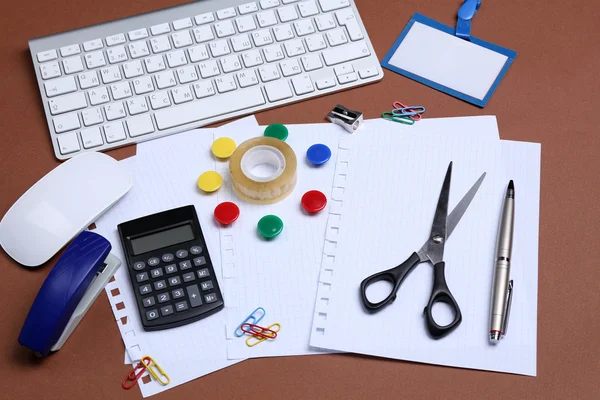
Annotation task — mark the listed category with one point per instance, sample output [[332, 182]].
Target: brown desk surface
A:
[[550, 95]]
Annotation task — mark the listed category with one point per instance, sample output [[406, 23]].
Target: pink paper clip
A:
[[416, 117]]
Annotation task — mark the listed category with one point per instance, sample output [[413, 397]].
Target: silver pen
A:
[[502, 285]]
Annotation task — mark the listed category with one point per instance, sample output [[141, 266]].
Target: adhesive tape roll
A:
[[263, 170]]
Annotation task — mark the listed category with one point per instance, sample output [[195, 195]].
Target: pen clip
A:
[[508, 306]]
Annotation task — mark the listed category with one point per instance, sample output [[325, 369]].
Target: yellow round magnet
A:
[[210, 181], [223, 147]]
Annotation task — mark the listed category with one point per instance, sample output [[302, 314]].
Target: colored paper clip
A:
[[133, 377], [253, 318], [409, 111], [259, 331], [391, 117], [253, 340], [148, 363]]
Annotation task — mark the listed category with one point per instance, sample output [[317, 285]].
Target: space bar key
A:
[[208, 108]]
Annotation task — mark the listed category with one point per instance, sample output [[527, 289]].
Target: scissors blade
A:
[[461, 207], [437, 238]]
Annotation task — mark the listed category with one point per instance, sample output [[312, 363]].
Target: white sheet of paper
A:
[[386, 201], [165, 178], [448, 60]]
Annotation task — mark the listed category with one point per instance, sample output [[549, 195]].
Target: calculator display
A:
[[162, 239]]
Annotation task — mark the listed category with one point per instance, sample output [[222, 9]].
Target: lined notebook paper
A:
[[385, 201]]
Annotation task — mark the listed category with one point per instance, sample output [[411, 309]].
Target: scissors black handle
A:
[[441, 293], [394, 275]]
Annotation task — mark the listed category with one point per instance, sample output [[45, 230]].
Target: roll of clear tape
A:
[[263, 170]]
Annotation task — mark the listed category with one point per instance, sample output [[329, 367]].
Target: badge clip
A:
[[348, 119], [465, 14]]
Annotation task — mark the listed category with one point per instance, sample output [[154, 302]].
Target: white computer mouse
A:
[[61, 205]]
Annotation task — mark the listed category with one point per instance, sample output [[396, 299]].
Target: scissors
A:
[[433, 251]]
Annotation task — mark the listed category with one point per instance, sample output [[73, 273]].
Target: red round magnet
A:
[[314, 201], [227, 212]]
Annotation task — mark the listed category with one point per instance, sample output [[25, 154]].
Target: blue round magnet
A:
[[318, 154]]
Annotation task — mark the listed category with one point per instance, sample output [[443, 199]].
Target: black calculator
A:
[[170, 269]]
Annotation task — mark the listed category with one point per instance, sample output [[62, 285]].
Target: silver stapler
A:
[[350, 120]]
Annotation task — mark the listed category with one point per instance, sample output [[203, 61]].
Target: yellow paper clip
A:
[[251, 343], [148, 363]]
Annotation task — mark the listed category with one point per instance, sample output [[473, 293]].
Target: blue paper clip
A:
[[408, 111], [253, 318], [465, 14]]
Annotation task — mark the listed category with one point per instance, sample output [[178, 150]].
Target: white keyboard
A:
[[167, 71]]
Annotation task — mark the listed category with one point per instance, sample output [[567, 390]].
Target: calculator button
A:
[[156, 272], [145, 289], [206, 285], [160, 285], [181, 254], [163, 297], [141, 277], [149, 301], [196, 250], [153, 262], [198, 261], [210, 298], [182, 306], [138, 266], [194, 295], [166, 310], [185, 265], [152, 314], [167, 257], [188, 277], [177, 293], [171, 269], [174, 281], [203, 273]]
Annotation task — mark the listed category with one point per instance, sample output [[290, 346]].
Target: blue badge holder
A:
[[70, 289]]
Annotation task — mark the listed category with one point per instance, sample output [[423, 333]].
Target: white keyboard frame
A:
[[147, 20]]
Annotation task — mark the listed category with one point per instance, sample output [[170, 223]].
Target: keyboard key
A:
[[133, 69], [224, 29], [247, 78], [337, 37], [141, 277], [198, 261], [70, 50], [138, 266], [219, 48], [226, 13], [166, 310], [95, 59], [88, 79], [94, 44], [302, 84], [92, 116], [294, 48], [210, 298], [288, 1], [98, 96], [115, 39], [67, 102], [196, 250], [287, 13], [153, 261], [204, 18], [183, 265], [154, 63], [273, 53], [283, 32], [330, 5], [143, 85], [182, 94], [203, 89], [189, 277], [151, 315], [50, 70], [349, 52], [247, 8], [140, 125], [207, 108], [177, 293], [58, 86], [165, 80], [203, 273], [252, 58], [138, 105], [262, 37], [138, 49], [264, 4], [163, 297], [176, 58], [245, 24], [230, 64], [311, 62], [266, 18], [91, 137], [304, 27], [351, 77], [121, 90], [160, 44], [206, 286], [194, 295], [66, 123], [290, 67], [148, 301], [346, 18], [278, 91], [68, 143], [269, 73], [110, 74], [47, 55], [225, 84], [203, 33], [156, 273], [72, 65], [160, 100], [209, 68], [183, 23], [181, 39], [308, 8], [174, 281], [198, 53], [138, 34], [160, 29], [114, 111], [325, 22], [241, 42], [114, 132], [343, 69], [181, 306], [187, 74]]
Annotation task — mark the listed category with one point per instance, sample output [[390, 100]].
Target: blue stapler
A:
[[70, 289]]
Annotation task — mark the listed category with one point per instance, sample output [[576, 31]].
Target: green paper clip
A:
[[403, 120]]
